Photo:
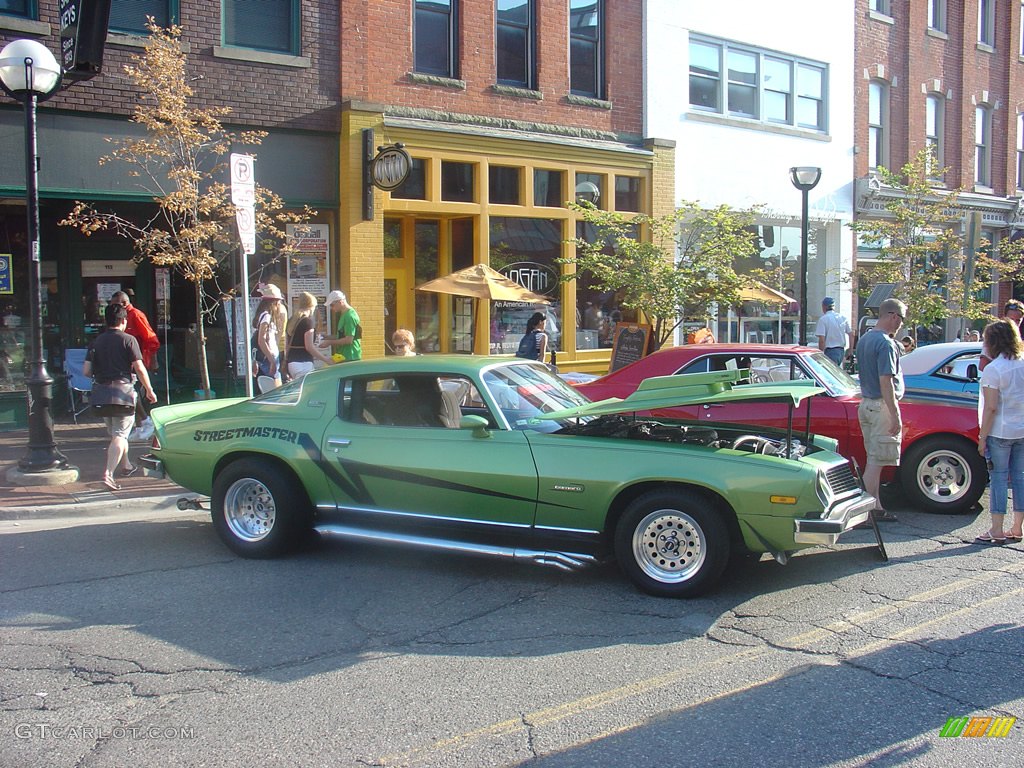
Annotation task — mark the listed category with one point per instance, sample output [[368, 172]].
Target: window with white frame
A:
[[982, 146], [881, 6], [1020, 151], [933, 132], [274, 28], [878, 124], [986, 22], [746, 82], [435, 38], [937, 15]]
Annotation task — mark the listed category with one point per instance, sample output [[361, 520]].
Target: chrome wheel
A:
[[669, 546], [249, 509], [943, 476]]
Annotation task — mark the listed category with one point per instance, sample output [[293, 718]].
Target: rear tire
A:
[[672, 543], [943, 475], [258, 508]]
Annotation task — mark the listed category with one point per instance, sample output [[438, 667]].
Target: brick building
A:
[[278, 72], [946, 73], [507, 110]]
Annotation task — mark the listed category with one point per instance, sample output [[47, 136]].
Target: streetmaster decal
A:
[[275, 433]]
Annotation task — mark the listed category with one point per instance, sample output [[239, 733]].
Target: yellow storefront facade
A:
[[481, 194]]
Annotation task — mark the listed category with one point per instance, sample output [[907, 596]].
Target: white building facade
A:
[[748, 90]]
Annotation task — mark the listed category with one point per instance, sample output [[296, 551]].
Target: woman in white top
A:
[[267, 333], [1001, 414]]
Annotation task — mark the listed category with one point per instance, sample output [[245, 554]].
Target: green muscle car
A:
[[501, 457]]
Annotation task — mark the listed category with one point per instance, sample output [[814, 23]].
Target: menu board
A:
[[629, 344]]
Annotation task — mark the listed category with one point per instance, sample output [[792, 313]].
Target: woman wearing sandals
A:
[[1001, 412]]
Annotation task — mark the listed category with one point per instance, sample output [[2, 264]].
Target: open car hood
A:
[[692, 389]]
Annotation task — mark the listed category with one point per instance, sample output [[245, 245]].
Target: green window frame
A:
[[129, 16], [26, 9], [261, 25]]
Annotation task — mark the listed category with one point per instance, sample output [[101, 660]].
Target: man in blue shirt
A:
[[881, 386]]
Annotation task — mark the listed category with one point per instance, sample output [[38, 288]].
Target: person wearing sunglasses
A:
[[881, 385]]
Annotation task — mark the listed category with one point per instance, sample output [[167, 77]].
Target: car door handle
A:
[[334, 443]]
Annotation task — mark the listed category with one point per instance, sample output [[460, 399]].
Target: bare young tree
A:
[[182, 163]]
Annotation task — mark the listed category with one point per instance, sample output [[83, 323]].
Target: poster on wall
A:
[[6, 278], [309, 269], [163, 298]]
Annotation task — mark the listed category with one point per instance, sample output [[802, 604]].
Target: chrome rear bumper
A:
[[152, 466], [840, 519]]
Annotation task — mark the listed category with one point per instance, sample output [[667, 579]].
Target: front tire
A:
[[943, 475], [258, 508], [672, 543]]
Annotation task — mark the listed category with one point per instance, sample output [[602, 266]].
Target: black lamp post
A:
[[30, 74], [805, 179]]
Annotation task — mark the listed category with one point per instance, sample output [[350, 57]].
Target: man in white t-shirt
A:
[[833, 332]]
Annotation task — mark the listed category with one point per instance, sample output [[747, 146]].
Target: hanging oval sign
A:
[[390, 167], [539, 278]]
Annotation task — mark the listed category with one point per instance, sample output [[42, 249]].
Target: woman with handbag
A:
[[111, 360]]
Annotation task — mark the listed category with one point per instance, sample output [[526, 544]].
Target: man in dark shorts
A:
[[881, 385], [112, 358]]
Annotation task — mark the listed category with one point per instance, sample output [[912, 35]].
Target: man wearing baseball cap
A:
[[347, 342], [1013, 310], [832, 331]]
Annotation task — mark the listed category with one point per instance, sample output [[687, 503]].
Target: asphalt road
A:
[[139, 640]]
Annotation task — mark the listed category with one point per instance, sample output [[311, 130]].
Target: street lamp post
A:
[[30, 74], [805, 179]]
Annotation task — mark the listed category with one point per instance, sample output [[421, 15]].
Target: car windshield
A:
[[523, 392], [835, 379]]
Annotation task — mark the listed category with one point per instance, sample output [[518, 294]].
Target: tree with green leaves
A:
[[668, 268], [182, 163], [924, 248]]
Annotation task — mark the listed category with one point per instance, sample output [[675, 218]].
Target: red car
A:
[[940, 470]]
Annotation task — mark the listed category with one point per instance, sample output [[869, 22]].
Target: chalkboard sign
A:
[[629, 345]]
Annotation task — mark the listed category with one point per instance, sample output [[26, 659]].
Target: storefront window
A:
[[415, 185], [392, 238], [526, 251], [589, 189], [457, 182], [547, 188], [503, 185], [427, 268], [597, 311], [627, 193], [766, 316]]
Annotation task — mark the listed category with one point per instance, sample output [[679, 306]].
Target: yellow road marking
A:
[[803, 640]]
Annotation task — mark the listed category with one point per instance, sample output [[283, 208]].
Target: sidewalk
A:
[[85, 445]]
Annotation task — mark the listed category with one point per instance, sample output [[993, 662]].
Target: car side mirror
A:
[[476, 423], [972, 372]]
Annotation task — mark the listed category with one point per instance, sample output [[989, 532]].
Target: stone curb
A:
[[165, 503]]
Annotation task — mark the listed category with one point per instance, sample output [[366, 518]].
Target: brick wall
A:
[[268, 95], [377, 57], [916, 61]]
